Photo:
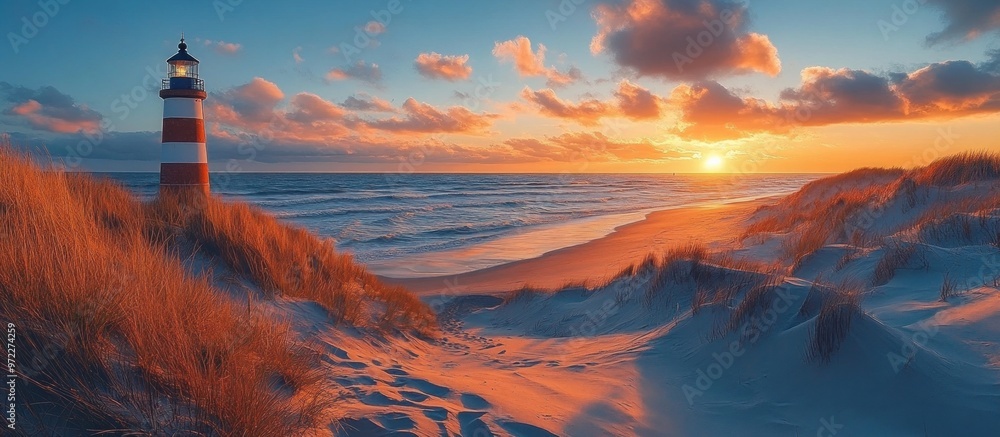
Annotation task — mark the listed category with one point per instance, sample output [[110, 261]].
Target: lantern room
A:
[[182, 71]]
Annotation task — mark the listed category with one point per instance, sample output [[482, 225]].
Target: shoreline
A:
[[598, 259]]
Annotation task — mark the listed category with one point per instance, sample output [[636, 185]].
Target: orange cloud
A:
[[41, 118], [953, 86], [48, 109], [436, 66], [374, 28], [252, 110], [584, 147], [826, 96], [682, 39], [224, 48], [586, 112], [637, 102], [310, 108], [362, 71], [253, 102], [364, 102], [711, 112], [425, 118], [529, 63], [631, 101]]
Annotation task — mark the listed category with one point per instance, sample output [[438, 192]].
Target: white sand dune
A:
[[705, 344]]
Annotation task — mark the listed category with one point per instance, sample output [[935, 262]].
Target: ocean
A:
[[428, 224]]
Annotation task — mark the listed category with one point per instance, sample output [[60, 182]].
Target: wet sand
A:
[[599, 259]]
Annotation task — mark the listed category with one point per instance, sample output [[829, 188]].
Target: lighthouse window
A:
[[183, 69]]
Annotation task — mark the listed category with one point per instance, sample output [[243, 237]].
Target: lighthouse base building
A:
[[183, 158]]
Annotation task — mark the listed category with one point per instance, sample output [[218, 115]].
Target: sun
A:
[[714, 162]]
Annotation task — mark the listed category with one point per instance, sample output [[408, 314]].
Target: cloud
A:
[[425, 118], [436, 66], [296, 55], [827, 96], [529, 63], [586, 112], [637, 102], [682, 39], [631, 101], [223, 48], [839, 96], [364, 102], [710, 112], [312, 129], [965, 20], [362, 71], [251, 110], [589, 147], [253, 102], [309, 108], [374, 28], [47, 109], [953, 86]]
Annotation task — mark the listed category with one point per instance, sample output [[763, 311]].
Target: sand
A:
[[635, 356], [715, 226]]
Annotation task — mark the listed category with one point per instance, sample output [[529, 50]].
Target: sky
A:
[[744, 86]]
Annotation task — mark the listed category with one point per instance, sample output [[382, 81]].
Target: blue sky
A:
[[96, 53]]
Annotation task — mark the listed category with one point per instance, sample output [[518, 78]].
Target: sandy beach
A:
[[713, 226]]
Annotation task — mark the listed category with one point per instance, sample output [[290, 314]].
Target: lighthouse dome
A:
[[182, 54]]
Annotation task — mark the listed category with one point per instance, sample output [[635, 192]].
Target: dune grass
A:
[[116, 334], [288, 261], [848, 208], [837, 312]]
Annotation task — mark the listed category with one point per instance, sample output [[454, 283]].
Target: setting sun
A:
[[714, 162]]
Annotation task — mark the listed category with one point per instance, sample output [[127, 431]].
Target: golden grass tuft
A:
[[288, 261], [960, 169], [117, 334]]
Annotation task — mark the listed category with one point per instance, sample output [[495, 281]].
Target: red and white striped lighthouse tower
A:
[[183, 158]]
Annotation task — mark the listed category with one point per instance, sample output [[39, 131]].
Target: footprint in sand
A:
[[472, 425], [396, 372], [379, 399], [352, 427], [414, 396], [437, 414], [474, 402], [338, 352], [421, 385], [350, 381], [396, 421], [518, 429]]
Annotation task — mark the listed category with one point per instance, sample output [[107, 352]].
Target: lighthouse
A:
[[183, 157]]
